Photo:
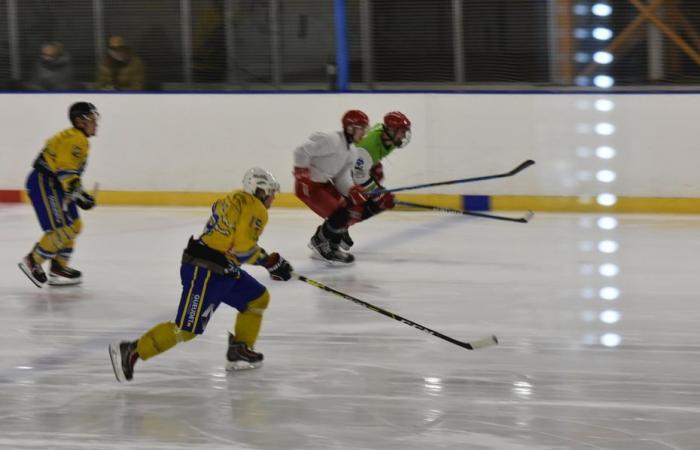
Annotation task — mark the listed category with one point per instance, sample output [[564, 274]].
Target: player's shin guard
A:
[[157, 340], [240, 354], [161, 338], [248, 322], [42, 252], [64, 254], [57, 244]]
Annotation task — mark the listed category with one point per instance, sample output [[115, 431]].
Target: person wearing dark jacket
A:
[[53, 70]]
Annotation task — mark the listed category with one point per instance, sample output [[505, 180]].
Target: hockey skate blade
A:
[[25, 270], [235, 366], [315, 256], [484, 342], [330, 263], [116, 357], [60, 281]]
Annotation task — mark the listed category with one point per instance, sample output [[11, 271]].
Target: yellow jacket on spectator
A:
[[122, 69]]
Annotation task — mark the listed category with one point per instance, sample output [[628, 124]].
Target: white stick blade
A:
[[484, 342]]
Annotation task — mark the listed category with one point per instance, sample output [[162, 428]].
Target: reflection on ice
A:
[[569, 373]]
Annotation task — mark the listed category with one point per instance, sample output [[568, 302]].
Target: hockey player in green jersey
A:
[[378, 143]]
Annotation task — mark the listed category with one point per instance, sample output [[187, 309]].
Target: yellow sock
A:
[[64, 254], [47, 247], [55, 240], [161, 338], [248, 322]]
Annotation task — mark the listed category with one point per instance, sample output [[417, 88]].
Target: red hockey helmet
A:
[[397, 121], [398, 128], [355, 118]]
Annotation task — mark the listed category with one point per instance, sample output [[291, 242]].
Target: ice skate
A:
[[32, 270], [64, 276], [346, 241], [324, 250], [124, 357], [240, 357]]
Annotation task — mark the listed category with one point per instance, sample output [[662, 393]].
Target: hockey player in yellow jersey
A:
[[55, 189], [211, 274]]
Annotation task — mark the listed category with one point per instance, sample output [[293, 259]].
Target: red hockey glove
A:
[[302, 174], [303, 181], [357, 195], [377, 172], [385, 200], [278, 267]]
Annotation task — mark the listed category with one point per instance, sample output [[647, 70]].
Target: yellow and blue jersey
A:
[[65, 156], [59, 164], [236, 223]]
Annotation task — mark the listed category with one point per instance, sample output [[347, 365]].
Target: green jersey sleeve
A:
[[370, 150]]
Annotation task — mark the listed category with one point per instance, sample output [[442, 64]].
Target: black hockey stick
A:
[[525, 219], [474, 345], [518, 169]]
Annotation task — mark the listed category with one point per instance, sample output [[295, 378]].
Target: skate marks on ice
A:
[[339, 376]]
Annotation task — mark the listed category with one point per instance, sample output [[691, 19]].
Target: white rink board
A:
[[200, 142]]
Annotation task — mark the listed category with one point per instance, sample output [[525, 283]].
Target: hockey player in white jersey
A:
[[323, 172]]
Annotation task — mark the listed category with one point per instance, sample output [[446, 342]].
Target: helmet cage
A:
[[394, 122], [405, 139], [83, 110]]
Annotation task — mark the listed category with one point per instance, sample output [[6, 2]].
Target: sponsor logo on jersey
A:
[[194, 304], [53, 203], [76, 152]]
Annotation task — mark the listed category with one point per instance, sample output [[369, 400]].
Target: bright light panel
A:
[[605, 152], [602, 33], [601, 9]]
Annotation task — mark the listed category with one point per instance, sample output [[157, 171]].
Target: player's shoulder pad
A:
[[243, 199], [76, 138]]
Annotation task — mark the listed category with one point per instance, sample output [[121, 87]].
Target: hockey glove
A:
[[377, 172], [80, 197], [85, 200], [385, 200], [279, 268], [302, 174], [357, 195], [303, 178]]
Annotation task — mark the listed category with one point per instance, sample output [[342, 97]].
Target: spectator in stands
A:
[[53, 70], [208, 44], [122, 70]]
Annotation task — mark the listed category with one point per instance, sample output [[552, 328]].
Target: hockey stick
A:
[[525, 219], [474, 345], [518, 169]]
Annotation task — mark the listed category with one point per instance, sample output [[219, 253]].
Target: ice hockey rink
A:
[[596, 317]]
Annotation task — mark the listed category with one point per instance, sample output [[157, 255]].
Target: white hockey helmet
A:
[[257, 178]]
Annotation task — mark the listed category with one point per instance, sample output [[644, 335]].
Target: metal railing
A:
[[272, 45]]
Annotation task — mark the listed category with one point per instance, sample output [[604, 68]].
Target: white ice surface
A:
[[339, 376]]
